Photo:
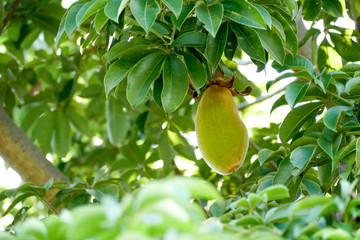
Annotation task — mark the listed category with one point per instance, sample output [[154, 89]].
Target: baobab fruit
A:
[[222, 136]]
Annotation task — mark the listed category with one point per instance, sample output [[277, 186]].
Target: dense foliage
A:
[[106, 88]]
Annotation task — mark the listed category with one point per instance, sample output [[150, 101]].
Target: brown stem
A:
[[9, 15]]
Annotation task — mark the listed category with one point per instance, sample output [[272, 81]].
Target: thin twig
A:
[[9, 16], [49, 205], [254, 146], [260, 99]]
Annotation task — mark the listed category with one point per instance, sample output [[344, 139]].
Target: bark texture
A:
[[23, 156]]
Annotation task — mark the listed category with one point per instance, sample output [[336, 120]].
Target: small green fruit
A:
[[222, 136]]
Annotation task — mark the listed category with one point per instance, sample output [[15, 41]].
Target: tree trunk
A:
[[23, 156]]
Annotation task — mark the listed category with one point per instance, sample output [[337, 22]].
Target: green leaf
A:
[[186, 11], [211, 16], [263, 155], [181, 145], [100, 20], [116, 122], [290, 35], [350, 148], [311, 202], [244, 13], [296, 118], [175, 82], [88, 9], [330, 147], [146, 71], [114, 8], [70, 21], [264, 13], [174, 5], [298, 62], [196, 71], [332, 116], [77, 121], [249, 42], [328, 58], [346, 47], [333, 7], [43, 130], [126, 46], [215, 46], [324, 82], [283, 175], [295, 91], [165, 151], [275, 192], [145, 12], [301, 74], [301, 157], [357, 157], [61, 138], [190, 39], [119, 69], [273, 44], [293, 7], [311, 9]]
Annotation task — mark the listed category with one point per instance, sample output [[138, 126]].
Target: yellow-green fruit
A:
[[222, 136]]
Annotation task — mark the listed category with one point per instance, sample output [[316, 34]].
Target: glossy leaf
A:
[[114, 8], [290, 35], [301, 157], [333, 7], [70, 22], [330, 147], [332, 116], [196, 71], [299, 62], [145, 12], [244, 13], [174, 5], [283, 175], [146, 71], [296, 118], [100, 20], [346, 47], [295, 91], [190, 39], [88, 9], [175, 83], [273, 44], [293, 7], [119, 69], [211, 16], [215, 46], [300, 74], [328, 57], [311, 9], [185, 13], [126, 46], [249, 41]]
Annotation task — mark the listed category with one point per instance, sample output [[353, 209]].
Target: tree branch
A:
[[9, 15], [260, 99], [23, 156]]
